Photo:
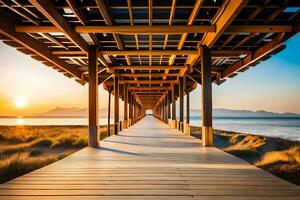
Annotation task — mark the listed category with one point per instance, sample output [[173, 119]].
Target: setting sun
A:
[[20, 102]]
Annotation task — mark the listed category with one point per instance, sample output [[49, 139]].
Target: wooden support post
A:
[[173, 124], [187, 129], [117, 117], [181, 103], [108, 113], [125, 123], [168, 107], [134, 111], [207, 130], [93, 139], [130, 97]]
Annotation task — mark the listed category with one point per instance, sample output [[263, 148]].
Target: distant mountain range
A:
[[219, 112], [222, 112]]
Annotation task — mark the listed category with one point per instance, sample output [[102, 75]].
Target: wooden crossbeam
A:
[[215, 53], [160, 29], [149, 52], [145, 67], [150, 88], [148, 81], [272, 46], [47, 9], [7, 29], [230, 9], [125, 30], [147, 74]]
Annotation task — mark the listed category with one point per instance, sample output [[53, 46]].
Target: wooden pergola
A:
[[149, 52]]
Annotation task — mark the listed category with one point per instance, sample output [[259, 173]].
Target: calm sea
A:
[[288, 128]]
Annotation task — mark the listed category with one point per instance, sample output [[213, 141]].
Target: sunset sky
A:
[[28, 87]]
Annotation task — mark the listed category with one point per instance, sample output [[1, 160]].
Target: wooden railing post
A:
[[207, 129], [181, 103], [93, 139], [116, 93]]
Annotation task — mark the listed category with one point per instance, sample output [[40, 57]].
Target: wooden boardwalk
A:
[[149, 161]]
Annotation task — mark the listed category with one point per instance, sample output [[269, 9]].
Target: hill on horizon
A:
[[218, 112]]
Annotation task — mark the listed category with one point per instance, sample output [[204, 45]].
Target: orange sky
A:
[[268, 86]]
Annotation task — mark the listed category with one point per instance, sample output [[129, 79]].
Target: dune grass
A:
[[27, 148], [278, 156]]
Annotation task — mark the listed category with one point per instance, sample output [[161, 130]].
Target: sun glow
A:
[[20, 102]]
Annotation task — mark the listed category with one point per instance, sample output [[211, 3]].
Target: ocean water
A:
[[287, 128]]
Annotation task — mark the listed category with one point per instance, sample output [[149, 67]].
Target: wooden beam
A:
[[183, 37], [124, 29], [104, 10], [270, 47], [231, 10], [215, 53], [206, 79], [24, 15], [47, 9], [147, 74], [145, 67], [160, 29], [93, 139], [148, 81], [7, 29], [149, 88], [149, 52]]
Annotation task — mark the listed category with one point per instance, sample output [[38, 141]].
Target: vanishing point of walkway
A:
[[149, 161]]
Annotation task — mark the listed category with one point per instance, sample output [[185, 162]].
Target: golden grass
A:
[[278, 156], [291, 155], [26, 148]]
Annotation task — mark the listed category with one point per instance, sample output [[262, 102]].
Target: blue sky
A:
[[273, 85]]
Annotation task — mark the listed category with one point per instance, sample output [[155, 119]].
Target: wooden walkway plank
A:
[[149, 161]]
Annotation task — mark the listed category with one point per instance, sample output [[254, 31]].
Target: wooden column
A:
[[187, 129], [108, 113], [173, 124], [130, 97], [125, 123], [93, 139], [181, 103], [134, 110], [207, 130], [117, 116], [168, 107]]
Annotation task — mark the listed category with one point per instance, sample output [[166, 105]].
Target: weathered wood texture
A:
[[93, 138], [149, 161]]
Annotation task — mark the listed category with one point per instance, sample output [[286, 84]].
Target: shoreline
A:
[[278, 156]]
